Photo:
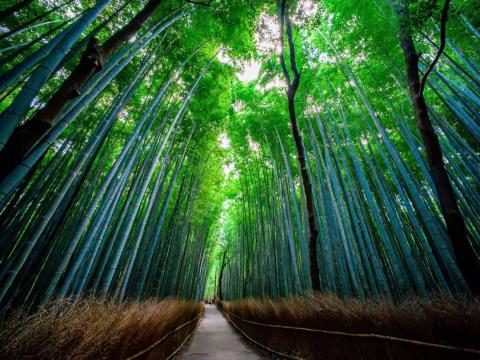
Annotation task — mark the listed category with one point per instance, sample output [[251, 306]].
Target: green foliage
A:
[[240, 199]]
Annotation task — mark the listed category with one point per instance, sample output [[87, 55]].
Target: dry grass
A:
[[449, 322], [90, 329]]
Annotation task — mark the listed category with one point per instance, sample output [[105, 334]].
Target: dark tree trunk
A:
[[27, 135], [307, 186], [457, 231], [78, 46], [312, 241], [220, 277]]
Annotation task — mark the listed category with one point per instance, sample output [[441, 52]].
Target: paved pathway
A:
[[215, 339]]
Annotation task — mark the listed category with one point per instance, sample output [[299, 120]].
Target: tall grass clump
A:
[[452, 322], [90, 329]]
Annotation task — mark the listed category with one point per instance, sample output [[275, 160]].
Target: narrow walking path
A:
[[215, 339]]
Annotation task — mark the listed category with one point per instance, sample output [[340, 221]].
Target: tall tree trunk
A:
[[220, 277], [26, 136], [457, 232], [307, 186]]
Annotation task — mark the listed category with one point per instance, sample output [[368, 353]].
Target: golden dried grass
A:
[[89, 329], [453, 322]]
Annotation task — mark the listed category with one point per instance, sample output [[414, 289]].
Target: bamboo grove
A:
[[136, 162], [381, 232]]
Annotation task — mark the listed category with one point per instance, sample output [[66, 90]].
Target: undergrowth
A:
[[91, 329], [443, 321]]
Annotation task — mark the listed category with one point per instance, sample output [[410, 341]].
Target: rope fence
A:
[[158, 342], [257, 343], [172, 355], [359, 335]]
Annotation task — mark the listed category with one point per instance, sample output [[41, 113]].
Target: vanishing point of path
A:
[[215, 339]]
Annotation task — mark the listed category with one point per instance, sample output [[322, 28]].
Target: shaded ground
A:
[[215, 339]]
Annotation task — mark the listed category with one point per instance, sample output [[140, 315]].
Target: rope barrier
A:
[[369, 335], [259, 344], [183, 343], [156, 343]]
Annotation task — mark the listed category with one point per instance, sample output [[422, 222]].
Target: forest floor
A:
[[215, 339]]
